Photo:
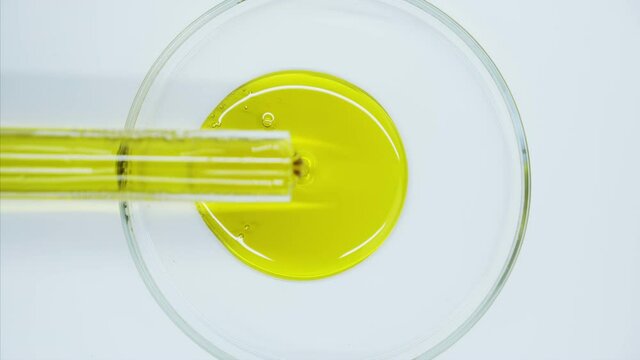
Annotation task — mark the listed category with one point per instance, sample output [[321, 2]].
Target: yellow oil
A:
[[352, 176]]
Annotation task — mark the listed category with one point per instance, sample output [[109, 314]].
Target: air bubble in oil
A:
[[268, 119]]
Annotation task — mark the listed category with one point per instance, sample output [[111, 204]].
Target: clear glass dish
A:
[[467, 201]]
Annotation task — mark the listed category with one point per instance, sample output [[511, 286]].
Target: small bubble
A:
[[268, 119], [247, 227], [246, 108]]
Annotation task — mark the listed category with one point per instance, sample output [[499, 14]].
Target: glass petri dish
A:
[[465, 214]]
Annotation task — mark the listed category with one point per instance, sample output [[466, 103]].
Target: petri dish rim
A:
[[519, 134]]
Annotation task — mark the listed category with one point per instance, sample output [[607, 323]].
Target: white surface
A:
[[573, 69]]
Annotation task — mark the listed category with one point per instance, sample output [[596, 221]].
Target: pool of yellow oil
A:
[[352, 176]]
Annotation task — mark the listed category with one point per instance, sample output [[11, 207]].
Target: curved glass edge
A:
[[499, 81], [525, 196], [125, 214]]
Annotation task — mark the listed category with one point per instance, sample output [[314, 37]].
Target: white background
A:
[[573, 67]]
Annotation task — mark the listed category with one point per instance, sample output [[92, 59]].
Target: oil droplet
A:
[[247, 227], [246, 108], [351, 175], [268, 119]]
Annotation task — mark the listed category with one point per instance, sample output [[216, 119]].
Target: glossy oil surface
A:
[[352, 176]]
